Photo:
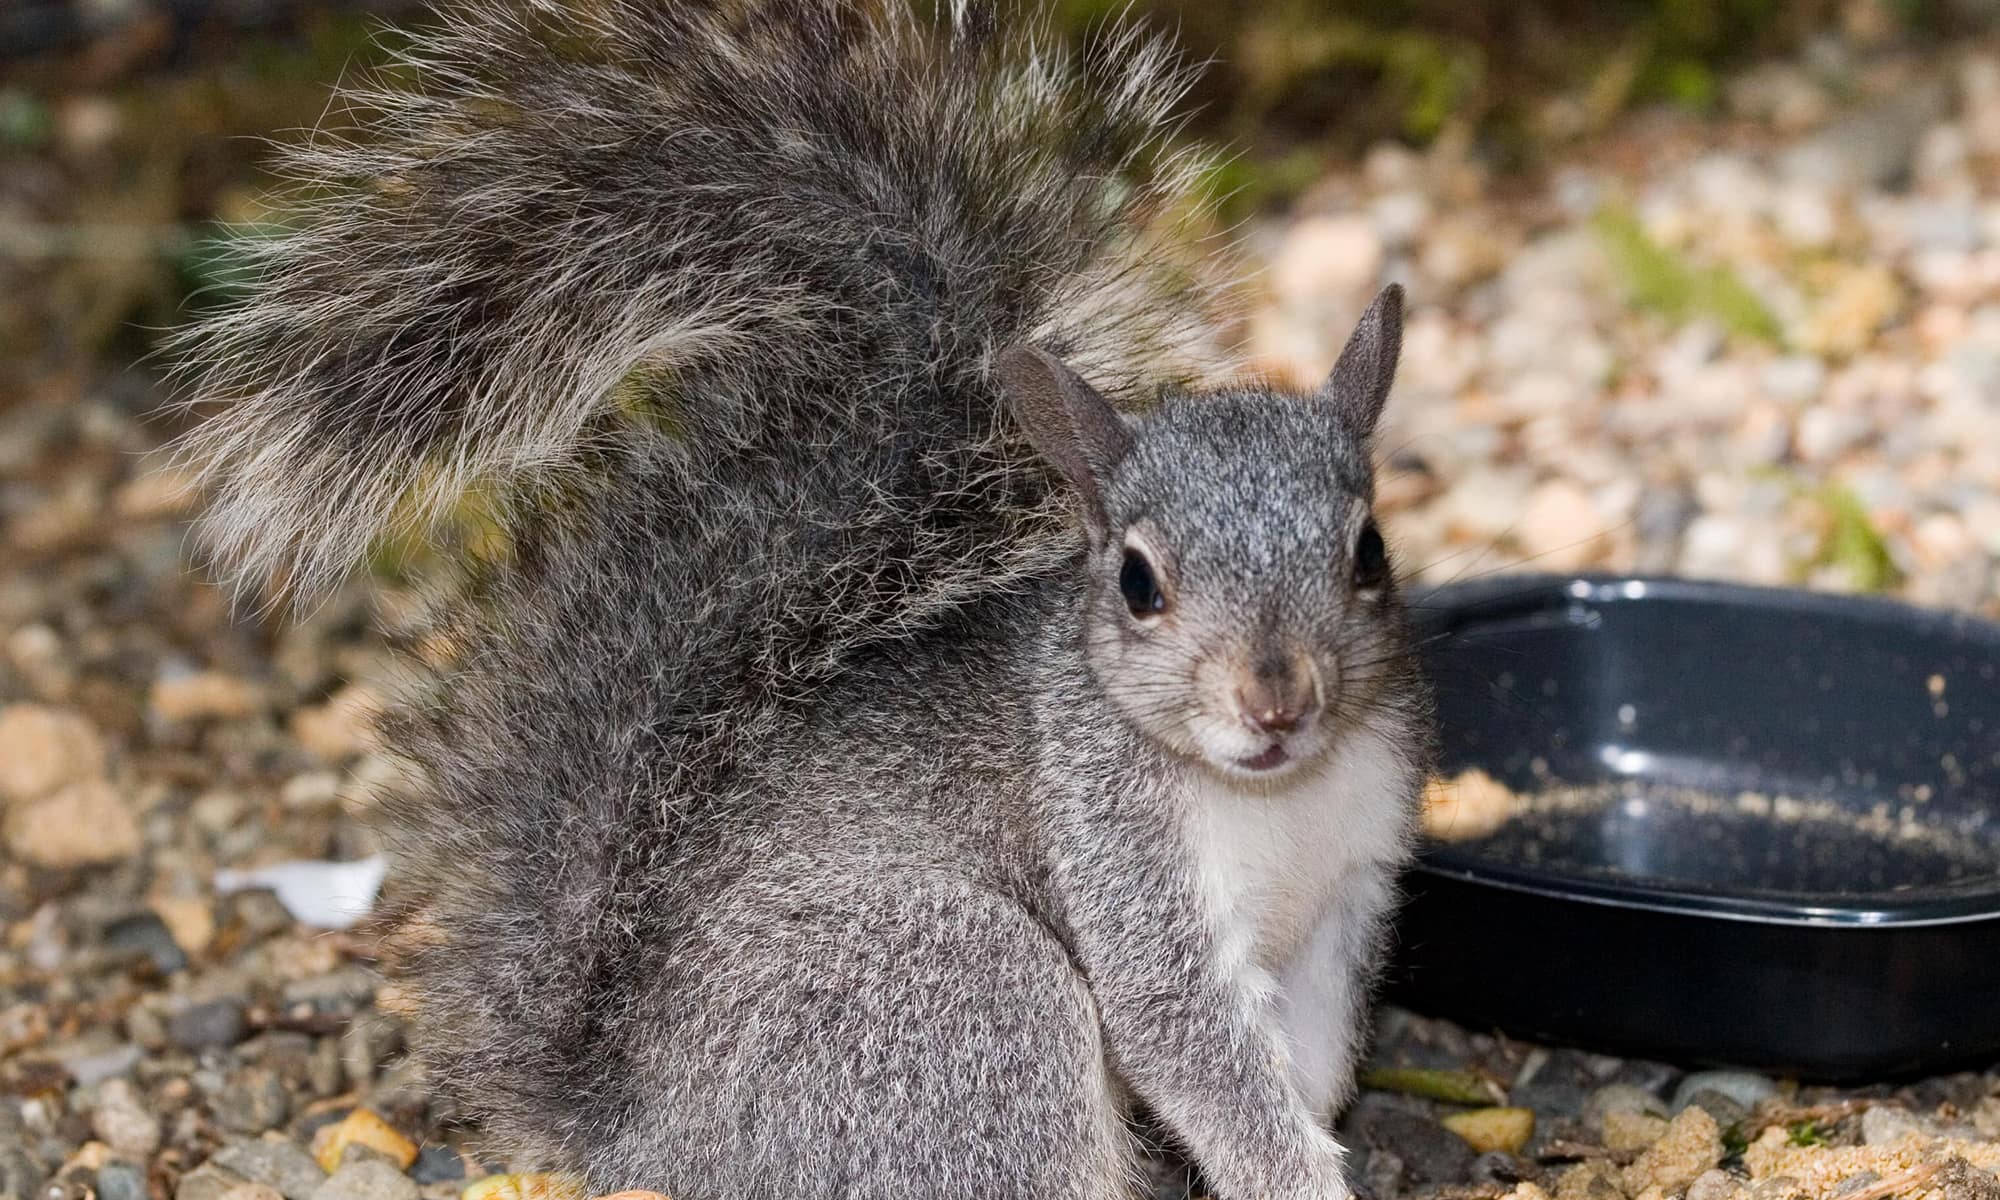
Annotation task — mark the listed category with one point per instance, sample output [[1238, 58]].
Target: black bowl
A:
[[1764, 826]]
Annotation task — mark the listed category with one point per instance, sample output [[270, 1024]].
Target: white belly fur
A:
[[1295, 878]]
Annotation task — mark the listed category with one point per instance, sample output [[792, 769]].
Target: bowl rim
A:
[[1437, 610]]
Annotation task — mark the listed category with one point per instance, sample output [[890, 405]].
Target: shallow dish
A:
[[1754, 826]]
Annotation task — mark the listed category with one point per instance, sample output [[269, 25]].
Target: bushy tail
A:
[[732, 227]]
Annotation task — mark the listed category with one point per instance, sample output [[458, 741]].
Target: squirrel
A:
[[921, 719]]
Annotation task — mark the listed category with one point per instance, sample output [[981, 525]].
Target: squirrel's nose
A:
[[1278, 697]]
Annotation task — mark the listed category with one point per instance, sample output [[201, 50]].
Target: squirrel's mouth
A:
[[1272, 757]]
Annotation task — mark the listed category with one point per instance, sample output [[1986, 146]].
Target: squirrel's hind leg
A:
[[905, 1037]]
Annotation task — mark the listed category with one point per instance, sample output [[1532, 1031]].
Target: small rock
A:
[[207, 1182], [438, 1164], [1560, 529], [122, 1122], [1871, 148], [374, 1180], [20, 1174], [1626, 1132], [84, 824], [216, 1025], [1720, 1105], [340, 728], [37, 652], [1691, 1145], [1860, 301], [1432, 1155], [190, 922], [43, 749], [1823, 434], [1884, 1125], [1744, 1087], [1619, 1097], [144, 935], [204, 694], [1715, 1184], [252, 1101], [1490, 1129], [1590, 1180], [1961, 1180], [121, 1181], [1328, 256], [533, 1186], [257, 912], [311, 791], [275, 1161], [1498, 1166], [251, 1191], [93, 1067], [1380, 1172], [362, 1128]]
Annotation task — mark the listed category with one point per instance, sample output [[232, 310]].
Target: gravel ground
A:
[[1764, 347]]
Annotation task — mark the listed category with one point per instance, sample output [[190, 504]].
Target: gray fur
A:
[[807, 814]]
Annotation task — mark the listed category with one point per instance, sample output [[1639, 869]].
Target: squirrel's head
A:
[[1240, 605]]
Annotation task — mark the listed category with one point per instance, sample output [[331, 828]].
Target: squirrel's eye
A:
[[1141, 590], [1371, 559]]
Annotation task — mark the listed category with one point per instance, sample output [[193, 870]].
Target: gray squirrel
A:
[[915, 725]]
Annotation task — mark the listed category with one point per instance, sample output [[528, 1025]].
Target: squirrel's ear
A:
[[1072, 426], [1359, 384]]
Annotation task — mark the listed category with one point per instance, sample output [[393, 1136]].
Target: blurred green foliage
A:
[[1659, 280], [1291, 79], [1854, 545]]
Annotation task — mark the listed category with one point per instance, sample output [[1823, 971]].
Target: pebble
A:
[[207, 1182], [1560, 529], [20, 1174], [1629, 1132], [436, 1164], [43, 749], [1744, 1087], [121, 1181], [189, 922], [1870, 148], [122, 1121], [1714, 1184], [362, 1128], [277, 1162], [1493, 1129], [1432, 1155], [1720, 1105], [144, 935], [214, 1025], [534, 1185], [204, 694], [1885, 1125], [1619, 1098], [252, 1101], [311, 791], [85, 824], [367, 1180], [1333, 256], [1691, 1146], [340, 728]]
